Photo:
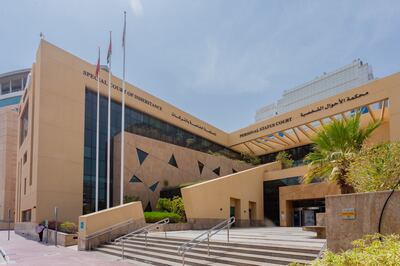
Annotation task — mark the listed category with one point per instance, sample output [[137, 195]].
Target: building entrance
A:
[[305, 211]]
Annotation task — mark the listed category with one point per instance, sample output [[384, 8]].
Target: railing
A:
[[321, 251], [144, 230], [109, 230], [202, 237]]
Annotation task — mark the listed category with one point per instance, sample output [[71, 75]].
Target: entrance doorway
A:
[[252, 213], [305, 211], [234, 209]]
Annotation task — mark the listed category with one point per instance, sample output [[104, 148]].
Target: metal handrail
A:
[[108, 229], [321, 251], [197, 240], [121, 240]]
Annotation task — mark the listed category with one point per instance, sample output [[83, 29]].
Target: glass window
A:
[[24, 124], [5, 87], [16, 85], [26, 215], [138, 123]]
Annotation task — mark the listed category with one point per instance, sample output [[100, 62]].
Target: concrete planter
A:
[[28, 230], [63, 239]]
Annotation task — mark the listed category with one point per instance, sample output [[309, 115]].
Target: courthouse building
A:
[[169, 151]]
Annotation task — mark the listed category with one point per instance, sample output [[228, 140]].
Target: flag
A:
[[109, 51], [98, 65], [124, 32]]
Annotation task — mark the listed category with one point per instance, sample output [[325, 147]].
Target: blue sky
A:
[[219, 60]]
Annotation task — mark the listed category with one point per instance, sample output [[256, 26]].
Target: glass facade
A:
[[271, 197], [297, 154], [135, 122], [10, 101], [13, 83]]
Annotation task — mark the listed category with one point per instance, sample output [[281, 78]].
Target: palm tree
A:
[[335, 146]]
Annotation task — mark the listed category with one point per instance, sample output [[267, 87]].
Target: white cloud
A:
[[137, 7]]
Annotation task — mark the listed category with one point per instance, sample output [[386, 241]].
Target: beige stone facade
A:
[[51, 152], [149, 167], [8, 153]]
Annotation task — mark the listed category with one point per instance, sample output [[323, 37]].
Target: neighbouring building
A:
[[11, 89], [329, 84], [166, 148]]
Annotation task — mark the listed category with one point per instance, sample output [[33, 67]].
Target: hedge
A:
[[153, 217]]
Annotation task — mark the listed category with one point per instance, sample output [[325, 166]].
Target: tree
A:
[[376, 168], [335, 147]]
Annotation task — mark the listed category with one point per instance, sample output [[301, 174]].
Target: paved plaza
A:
[[23, 251]]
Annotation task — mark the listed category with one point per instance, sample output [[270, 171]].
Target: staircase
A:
[[163, 251]]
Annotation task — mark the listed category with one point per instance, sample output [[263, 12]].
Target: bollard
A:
[[56, 227], [46, 224], [9, 223], [122, 249], [208, 244]]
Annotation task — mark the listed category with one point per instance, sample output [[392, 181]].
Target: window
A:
[[5, 87], [25, 157], [16, 85], [24, 186], [26, 215], [24, 124], [138, 123]]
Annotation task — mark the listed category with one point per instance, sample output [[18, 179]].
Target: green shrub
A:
[[250, 158], [285, 159], [128, 199], [174, 206], [164, 204], [369, 251], [376, 168], [68, 228], [52, 225], [153, 217]]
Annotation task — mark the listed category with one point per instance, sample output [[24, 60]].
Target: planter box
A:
[[351, 216], [63, 239], [28, 230]]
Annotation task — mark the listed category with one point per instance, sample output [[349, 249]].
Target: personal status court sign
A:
[[348, 214]]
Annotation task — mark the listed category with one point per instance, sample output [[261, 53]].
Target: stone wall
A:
[[367, 210], [151, 165]]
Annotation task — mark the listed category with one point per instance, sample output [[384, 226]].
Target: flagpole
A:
[[123, 118], [97, 132], [109, 126]]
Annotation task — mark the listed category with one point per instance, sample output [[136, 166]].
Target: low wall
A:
[[285, 173], [63, 239], [103, 226], [351, 216], [212, 201], [28, 230], [4, 226]]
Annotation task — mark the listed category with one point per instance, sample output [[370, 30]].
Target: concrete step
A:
[[226, 258], [238, 252], [148, 258], [294, 248]]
